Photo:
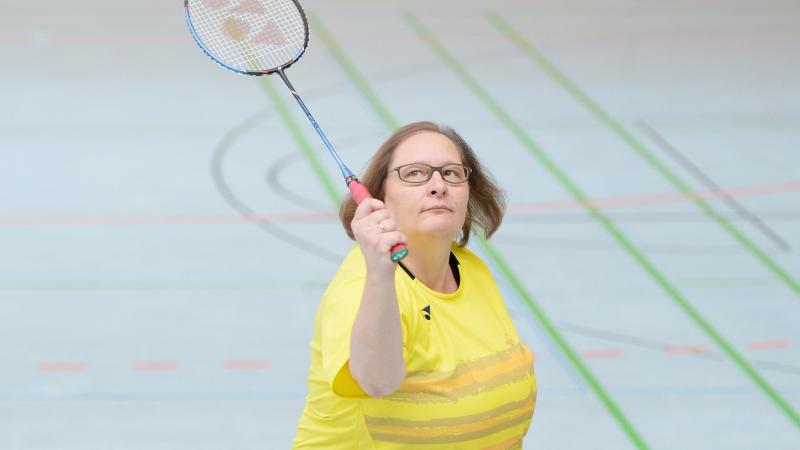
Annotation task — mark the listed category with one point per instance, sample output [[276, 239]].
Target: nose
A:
[[436, 185]]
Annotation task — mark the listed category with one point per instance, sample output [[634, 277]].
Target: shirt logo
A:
[[426, 312]]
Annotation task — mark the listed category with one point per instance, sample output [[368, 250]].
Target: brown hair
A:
[[486, 205]]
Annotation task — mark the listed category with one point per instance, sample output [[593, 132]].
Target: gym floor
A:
[[165, 239]]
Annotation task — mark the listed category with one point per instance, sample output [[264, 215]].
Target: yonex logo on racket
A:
[[246, 21]]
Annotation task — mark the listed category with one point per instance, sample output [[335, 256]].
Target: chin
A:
[[440, 230]]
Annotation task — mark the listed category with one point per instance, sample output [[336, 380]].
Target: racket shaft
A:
[[357, 190]]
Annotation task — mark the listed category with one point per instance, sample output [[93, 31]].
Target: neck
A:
[[429, 260]]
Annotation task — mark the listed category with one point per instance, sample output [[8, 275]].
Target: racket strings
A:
[[251, 35]]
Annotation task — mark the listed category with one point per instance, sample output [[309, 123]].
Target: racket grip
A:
[[358, 191], [359, 194]]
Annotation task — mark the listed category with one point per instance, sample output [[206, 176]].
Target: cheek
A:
[[463, 202], [396, 203]]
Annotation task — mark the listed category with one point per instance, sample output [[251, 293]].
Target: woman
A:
[[420, 354]]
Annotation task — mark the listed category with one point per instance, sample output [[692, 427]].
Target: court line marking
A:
[[701, 351], [255, 364], [603, 353], [556, 75], [645, 263], [300, 139], [61, 366], [392, 124], [247, 216], [701, 176], [159, 285], [236, 203], [765, 345], [153, 366]]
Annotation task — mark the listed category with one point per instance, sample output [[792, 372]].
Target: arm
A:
[[376, 344]]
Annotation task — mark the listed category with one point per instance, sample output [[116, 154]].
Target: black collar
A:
[[453, 267]]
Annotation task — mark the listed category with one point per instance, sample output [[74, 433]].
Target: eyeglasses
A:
[[419, 173]]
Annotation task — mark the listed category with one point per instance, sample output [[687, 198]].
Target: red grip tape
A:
[[358, 191]]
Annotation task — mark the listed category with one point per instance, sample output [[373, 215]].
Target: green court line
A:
[[392, 123], [300, 139], [558, 76], [537, 151], [157, 285], [354, 74]]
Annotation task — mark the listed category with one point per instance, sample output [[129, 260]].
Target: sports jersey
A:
[[469, 380]]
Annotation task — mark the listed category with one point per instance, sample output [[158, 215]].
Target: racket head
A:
[[251, 37]]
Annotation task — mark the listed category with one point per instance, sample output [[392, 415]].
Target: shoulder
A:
[[353, 263], [352, 267], [349, 277], [475, 272], [468, 260]]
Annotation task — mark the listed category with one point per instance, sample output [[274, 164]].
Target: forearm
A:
[[376, 345]]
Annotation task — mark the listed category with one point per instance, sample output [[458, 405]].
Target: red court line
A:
[[656, 199], [263, 364], [602, 353], [162, 219], [322, 216], [240, 364], [154, 365], [687, 349], [123, 36], [62, 367], [763, 345], [15, 38]]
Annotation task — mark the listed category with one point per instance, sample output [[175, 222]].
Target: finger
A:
[[370, 222], [367, 207], [388, 224], [378, 216], [389, 240]]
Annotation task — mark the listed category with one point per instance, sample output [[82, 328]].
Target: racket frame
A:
[[357, 190], [210, 54]]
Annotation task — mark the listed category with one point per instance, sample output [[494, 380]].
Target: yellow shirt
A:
[[469, 380]]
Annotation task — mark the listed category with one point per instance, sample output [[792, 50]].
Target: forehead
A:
[[427, 146]]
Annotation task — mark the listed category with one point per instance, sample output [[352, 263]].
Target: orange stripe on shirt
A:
[[513, 443], [468, 378], [452, 434], [452, 429], [466, 372]]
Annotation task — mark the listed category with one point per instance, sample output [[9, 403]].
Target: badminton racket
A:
[[263, 37]]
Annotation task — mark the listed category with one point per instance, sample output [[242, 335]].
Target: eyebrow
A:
[[425, 162]]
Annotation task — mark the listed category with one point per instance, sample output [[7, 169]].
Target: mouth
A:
[[438, 208]]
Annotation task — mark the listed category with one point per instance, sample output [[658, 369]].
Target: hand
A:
[[376, 233]]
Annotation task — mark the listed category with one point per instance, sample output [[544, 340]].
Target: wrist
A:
[[381, 275]]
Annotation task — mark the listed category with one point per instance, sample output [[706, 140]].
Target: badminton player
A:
[[421, 353]]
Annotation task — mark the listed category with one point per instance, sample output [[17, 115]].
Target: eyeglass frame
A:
[[468, 171]]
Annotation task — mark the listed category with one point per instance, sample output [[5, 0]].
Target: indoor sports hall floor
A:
[[164, 241]]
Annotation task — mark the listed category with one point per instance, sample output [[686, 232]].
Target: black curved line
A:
[[274, 183], [234, 202], [273, 174]]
